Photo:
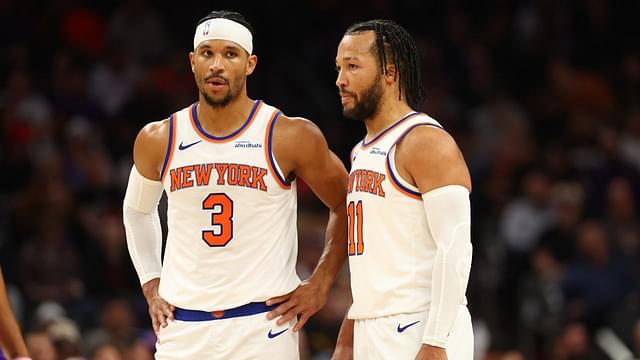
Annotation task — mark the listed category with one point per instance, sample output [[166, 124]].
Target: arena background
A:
[[543, 97]]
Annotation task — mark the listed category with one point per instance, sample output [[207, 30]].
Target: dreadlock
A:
[[393, 40]]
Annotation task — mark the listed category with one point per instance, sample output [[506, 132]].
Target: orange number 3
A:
[[354, 217], [222, 217]]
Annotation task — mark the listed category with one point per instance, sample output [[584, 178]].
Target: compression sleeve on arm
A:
[[448, 211], [142, 225]]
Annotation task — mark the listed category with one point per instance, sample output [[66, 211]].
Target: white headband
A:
[[223, 29]]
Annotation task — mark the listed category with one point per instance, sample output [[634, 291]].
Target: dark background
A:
[[542, 96]]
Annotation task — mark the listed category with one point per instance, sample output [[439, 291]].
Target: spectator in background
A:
[[560, 238], [540, 304], [50, 264], [40, 345], [598, 279]]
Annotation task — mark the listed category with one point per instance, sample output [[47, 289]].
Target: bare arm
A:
[[344, 344], [431, 160], [301, 149], [10, 336]]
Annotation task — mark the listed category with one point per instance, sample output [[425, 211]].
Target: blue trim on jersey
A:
[[393, 176], [364, 143], [398, 183], [244, 310], [194, 113], [169, 147], [272, 160]]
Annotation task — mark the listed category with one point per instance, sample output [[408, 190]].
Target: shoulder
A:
[[432, 157], [298, 133], [298, 143], [428, 143], [150, 147], [296, 126], [153, 134]]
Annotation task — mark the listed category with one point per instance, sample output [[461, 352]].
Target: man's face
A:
[[220, 68], [359, 76]]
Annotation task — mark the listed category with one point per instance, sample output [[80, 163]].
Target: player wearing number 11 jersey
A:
[[228, 287], [408, 209]]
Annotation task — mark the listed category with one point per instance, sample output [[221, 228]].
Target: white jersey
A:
[[391, 250], [232, 236]]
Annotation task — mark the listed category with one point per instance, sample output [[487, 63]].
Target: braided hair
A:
[[392, 40]]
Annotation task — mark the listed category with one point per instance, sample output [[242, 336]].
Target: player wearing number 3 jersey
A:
[[408, 209], [228, 288]]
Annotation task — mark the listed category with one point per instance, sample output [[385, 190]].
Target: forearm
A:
[[345, 336], [142, 225], [334, 252], [448, 215], [10, 336]]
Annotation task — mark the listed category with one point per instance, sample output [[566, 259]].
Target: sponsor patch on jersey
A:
[[377, 151], [247, 144]]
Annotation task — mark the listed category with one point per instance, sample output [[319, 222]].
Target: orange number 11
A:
[[354, 218]]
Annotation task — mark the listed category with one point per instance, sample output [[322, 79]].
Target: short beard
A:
[[219, 103], [368, 104]]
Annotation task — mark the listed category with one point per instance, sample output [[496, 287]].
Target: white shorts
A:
[[245, 337], [400, 337]]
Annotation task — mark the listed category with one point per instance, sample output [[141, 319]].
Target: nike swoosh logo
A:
[[403, 328], [271, 335], [184, 147]]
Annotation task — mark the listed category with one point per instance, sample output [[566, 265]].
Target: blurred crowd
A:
[[543, 97]]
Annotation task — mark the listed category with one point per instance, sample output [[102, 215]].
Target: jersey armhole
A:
[[170, 146], [398, 181], [271, 159]]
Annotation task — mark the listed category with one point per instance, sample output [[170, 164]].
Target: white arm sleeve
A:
[[448, 212], [142, 225]]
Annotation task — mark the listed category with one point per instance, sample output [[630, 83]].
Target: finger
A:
[[288, 316], [281, 309], [166, 311], [303, 320], [278, 299], [154, 324], [160, 317], [172, 309]]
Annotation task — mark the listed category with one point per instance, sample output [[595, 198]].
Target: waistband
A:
[[243, 310]]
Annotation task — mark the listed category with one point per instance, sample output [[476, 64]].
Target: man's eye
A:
[[353, 66]]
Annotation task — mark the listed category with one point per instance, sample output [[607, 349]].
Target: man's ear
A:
[[252, 61], [192, 61], [391, 74]]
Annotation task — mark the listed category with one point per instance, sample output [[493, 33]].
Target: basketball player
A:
[[408, 208], [11, 340], [228, 165]]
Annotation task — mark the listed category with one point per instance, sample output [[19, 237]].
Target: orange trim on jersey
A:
[[395, 184], [170, 146], [384, 132], [269, 153], [197, 127]]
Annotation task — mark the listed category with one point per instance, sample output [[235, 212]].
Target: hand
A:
[[159, 310], [342, 353], [305, 300], [430, 352]]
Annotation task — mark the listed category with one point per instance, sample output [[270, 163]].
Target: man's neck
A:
[[223, 120], [389, 112]]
